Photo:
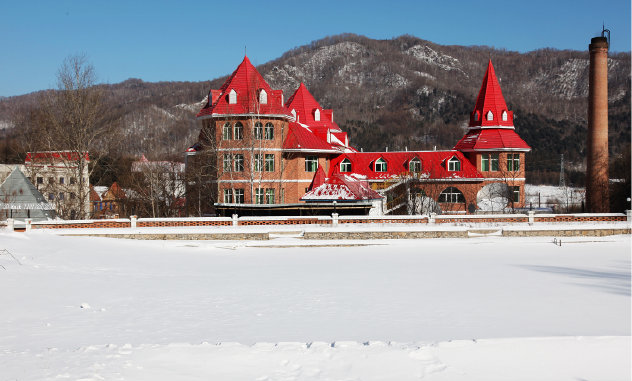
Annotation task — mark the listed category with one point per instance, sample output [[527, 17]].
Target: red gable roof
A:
[[491, 140], [341, 187], [490, 98], [247, 84], [54, 156], [434, 165]]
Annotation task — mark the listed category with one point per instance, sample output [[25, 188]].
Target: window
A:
[[228, 196], [239, 131], [40, 180], [227, 132], [227, 162], [239, 162], [317, 115], [282, 200], [61, 195], [414, 165], [345, 165], [515, 191], [489, 162], [513, 162], [61, 180], [504, 116], [72, 195], [232, 97], [269, 164], [51, 196], [380, 165], [269, 196], [263, 97], [239, 196], [258, 131], [490, 115], [259, 196], [51, 180], [258, 162], [454, 164], [476, 116], [311, 164], [72, 181], [451, 195], [269, 131]]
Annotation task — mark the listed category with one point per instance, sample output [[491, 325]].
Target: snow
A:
[[486, 308]]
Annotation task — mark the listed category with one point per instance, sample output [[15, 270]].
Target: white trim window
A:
[[345, 165], [513, 162], [227, 132], [490, 115], [489, 162], [259, 196], [239, 131], [451, 195], [238, 161], [269, 162], [228, 162], [263, 97], [380, 165], [258, 132], [239, 196], [269, 131], [454, 164], [317, 115], [414, 166], [311, 163], [258, 162], [270, 196], [504, 116], [515, 192], [228, 196], [232, 97]]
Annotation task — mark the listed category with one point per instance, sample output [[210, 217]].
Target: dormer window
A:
[[454, 164], [490, 115], [317, 115], [263, 97], [476, 116], [293, 112], [414, 166], [232, 97], [504, 116], [380, 165], [345, 165]]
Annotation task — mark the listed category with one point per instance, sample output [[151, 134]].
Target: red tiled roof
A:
[[54, 156], [433, 165], [301, 137], [490, 98], [247, 83], [492, 139], [340, 187]]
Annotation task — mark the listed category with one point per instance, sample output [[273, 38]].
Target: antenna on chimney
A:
[[604, 31]]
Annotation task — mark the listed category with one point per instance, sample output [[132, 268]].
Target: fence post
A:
[[28, 224], [431, 219], [334, 219], [629, 214], [235, 220], [10, 223], [531, 215], [132, 221]]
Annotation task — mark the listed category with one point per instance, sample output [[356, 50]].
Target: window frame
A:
[[238, 131], [311, 163], [259, 196], [228, 196], [414, 165], [258, 162], [239, 195], [238, 162], [513, 162], [380, 165], [227, 162], [268, 131], [269, 197], [257, 132], [451, 195], [268, 162], [227, 131], [345, 165], [454, 164]]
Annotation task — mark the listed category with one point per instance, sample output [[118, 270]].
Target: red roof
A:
[[434, 165], [340, 187], [301, 137], [485, 139], [247, 84], [54, 156], [490, 98]]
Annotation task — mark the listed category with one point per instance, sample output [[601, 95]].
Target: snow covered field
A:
[[487, 308]]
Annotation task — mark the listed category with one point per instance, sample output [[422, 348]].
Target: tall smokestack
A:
[[597, 198]]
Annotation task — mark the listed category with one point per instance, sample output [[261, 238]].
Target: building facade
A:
[[256, 149]]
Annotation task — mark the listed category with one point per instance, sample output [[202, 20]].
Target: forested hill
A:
[[401, 93]]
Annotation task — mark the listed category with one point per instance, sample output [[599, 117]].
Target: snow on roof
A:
[[341, 188]]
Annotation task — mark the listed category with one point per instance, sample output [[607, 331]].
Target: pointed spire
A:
[[490, 109]]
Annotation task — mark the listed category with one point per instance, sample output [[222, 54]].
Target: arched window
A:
[[258, 132], [451, 195], [317, 115], [269, 131], [345, 165], [263, 97], [490, 115], [227, 132], [232, 97], [504, 116], [380, 165], [414, 165], [454, 164], [239, 131]]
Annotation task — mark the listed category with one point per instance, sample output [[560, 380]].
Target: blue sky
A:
[[202, 40]]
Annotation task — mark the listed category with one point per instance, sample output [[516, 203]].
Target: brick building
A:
[[254, 149]]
